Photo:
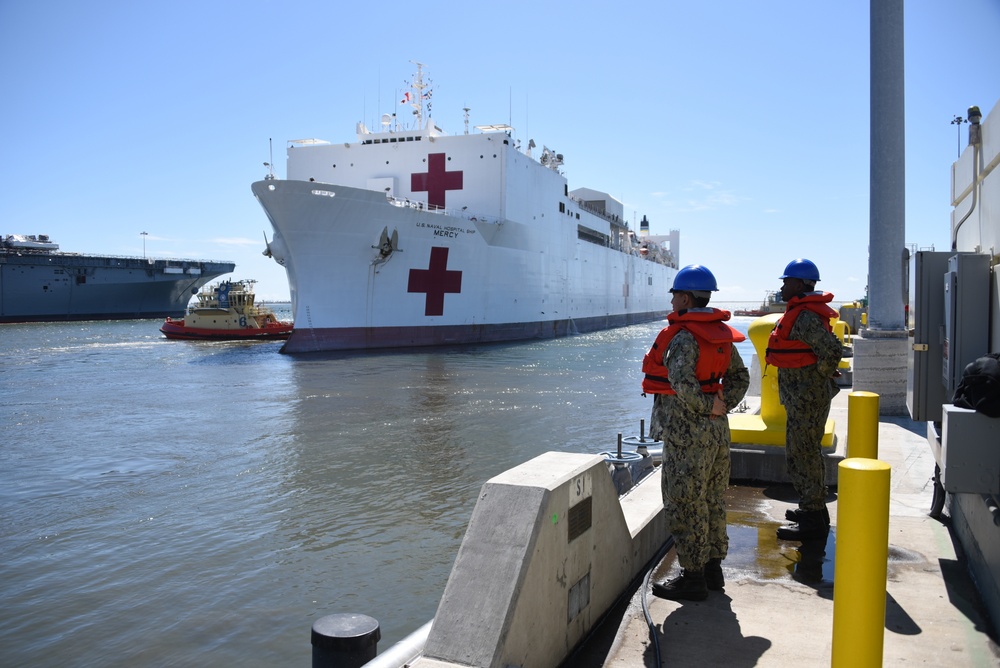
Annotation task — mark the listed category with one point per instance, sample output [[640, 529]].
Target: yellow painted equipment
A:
[[767, 428], [842, 331], [861, 563], [862, 425]]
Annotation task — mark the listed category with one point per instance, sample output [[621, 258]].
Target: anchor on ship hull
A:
[[387, 245]]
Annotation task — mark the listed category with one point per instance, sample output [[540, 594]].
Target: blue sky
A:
[[742, 124]]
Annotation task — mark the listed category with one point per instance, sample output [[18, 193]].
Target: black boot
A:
[[810, 525], [792, 514], [689, 586], [714, 578]]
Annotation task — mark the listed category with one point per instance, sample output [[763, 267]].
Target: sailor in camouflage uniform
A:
[[807, 353], [696, 376]]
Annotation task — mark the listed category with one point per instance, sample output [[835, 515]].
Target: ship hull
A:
[[52, 287], [346, 338], [453, 279], [176, 329]]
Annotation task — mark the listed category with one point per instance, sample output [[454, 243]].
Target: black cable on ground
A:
[[574, 658], [669, 543]]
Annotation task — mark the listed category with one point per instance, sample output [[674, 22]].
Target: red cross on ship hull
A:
[[435, 281]]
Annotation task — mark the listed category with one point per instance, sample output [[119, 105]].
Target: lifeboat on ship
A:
[[226, 311]]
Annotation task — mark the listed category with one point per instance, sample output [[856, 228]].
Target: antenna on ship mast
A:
[[418, 97]]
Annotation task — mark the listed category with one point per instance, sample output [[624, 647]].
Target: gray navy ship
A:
[[38, 283]]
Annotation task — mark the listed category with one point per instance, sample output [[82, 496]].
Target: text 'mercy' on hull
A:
[[418, 238]]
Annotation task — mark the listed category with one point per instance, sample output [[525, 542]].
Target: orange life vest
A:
[[715, 342], [788, 353]]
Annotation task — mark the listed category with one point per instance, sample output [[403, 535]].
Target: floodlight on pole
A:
[[957, 122]]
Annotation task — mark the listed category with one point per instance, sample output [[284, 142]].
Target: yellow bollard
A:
[[860, 563], [862, 425], [771, 410], [767, 427], [840, 329]]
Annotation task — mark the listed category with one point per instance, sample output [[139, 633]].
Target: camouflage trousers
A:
[[694, 477], [803, 452]]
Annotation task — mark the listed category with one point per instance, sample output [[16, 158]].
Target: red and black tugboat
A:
[[226, 311]]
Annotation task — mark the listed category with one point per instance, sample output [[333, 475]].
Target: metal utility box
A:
[[925, 318], [966, 316], [948, 320], [970, 452]]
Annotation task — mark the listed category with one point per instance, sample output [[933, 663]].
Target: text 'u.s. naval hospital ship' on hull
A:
[[418, 238], [38, 283]]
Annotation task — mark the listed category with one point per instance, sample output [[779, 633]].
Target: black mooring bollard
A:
[[344, 640]]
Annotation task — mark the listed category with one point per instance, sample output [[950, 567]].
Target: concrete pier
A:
[[548, 551], [777, 607]]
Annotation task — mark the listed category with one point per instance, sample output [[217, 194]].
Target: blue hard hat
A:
[[801, 268], [694, 277]]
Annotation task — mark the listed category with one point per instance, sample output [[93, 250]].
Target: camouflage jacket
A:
[[814, 382]]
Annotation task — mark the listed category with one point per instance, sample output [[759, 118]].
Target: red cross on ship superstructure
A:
[[435, 281], [436, 181]]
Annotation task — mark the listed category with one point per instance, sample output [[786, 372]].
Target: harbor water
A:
[[177, 503]]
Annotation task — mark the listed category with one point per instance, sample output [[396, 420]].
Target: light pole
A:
[[957, 122], [144, 235]]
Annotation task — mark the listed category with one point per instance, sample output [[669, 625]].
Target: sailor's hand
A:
[[718, 406]]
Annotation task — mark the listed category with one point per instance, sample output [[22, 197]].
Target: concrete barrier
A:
[[549, 549]]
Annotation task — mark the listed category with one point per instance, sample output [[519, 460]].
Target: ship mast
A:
[[417, 102]]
